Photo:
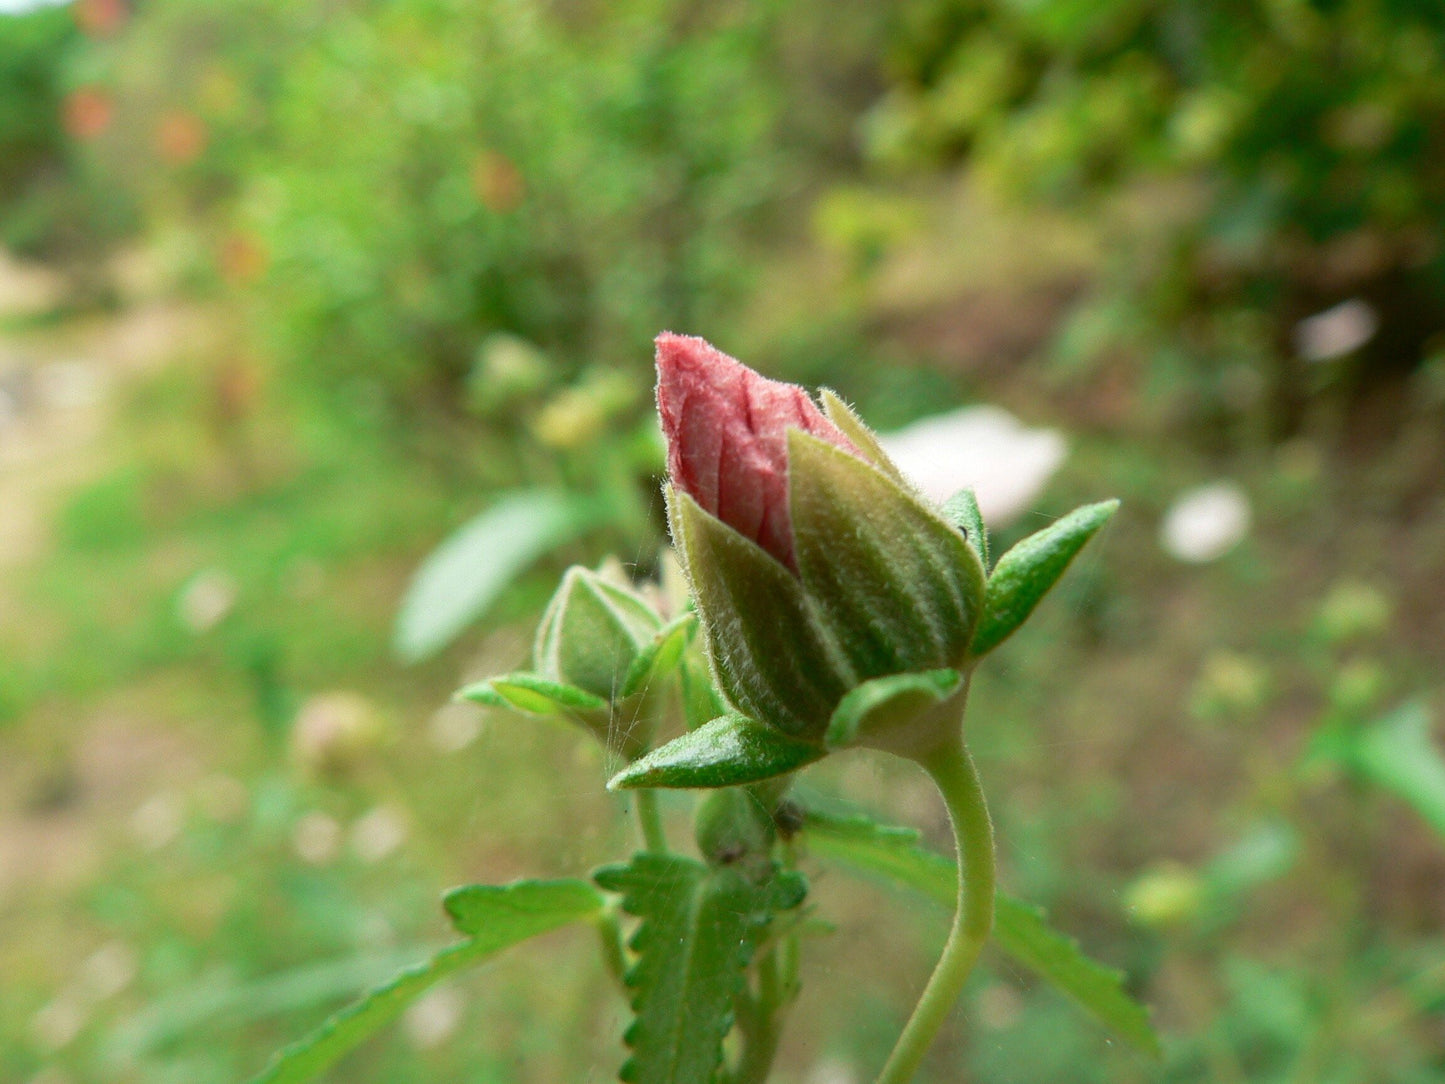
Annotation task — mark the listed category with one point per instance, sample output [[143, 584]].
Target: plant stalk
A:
[[953, 771], [649, 821]]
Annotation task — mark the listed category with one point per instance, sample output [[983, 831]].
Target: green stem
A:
[[953, 772], [649, 821], [613, 956], [762, 1028]]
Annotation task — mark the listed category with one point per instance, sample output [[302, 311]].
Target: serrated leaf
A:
[[489, 911], [884, 702], [699, 929], [500, 917], [1398, 752], [963, 512], [726, 752], [1019, 928], [463, 576], [662, 654], [1025, 573], [531, 692]]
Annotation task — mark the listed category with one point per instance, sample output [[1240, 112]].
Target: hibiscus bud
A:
[[814, 567], [727, 438]]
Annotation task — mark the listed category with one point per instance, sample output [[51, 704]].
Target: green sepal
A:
[[700, 927], [963, 512], [533, 693], [661, 654], [769, 655], [1025, 573], [592, 632], [727, 752], [701, 701], [883, 704], [897, 586], [863, 438]]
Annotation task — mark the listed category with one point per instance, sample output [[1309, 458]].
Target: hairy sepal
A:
[[769, 654], [897, 586]]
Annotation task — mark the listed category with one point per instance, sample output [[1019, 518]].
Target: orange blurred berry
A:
[[181, 137], [242, 258], [87, 112], [100, 18], [497, 182]]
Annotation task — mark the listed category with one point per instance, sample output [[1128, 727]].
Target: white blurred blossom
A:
[[832, 1071], [983, 448], [158, 820], [433, 1018], [1204, 524], [1339, 330], [109, 970], [316, 838], [206, 598], [377, 834]]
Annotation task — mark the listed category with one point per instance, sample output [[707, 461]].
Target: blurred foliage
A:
[[492, 207], [390, 183], [52, 203], [1295, 151]]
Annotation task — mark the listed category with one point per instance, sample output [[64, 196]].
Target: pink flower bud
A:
[[727, 438]]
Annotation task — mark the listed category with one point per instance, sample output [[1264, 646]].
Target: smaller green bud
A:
[[592, 632], [1165, 895], [734, 828], [1358, 686], [1353, 610]]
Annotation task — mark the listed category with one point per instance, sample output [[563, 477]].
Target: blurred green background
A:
[[291, 292]]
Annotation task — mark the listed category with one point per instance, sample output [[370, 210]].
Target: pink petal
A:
[[727, 444]]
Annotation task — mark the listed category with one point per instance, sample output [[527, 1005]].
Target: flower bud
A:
[[600, 658], [814, 567], [591, 633]]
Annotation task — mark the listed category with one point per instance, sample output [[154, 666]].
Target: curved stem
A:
[[649, 820], [952, 770]]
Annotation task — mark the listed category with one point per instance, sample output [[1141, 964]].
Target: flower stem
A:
[[952, 770], [762, 1028], [649, 820]]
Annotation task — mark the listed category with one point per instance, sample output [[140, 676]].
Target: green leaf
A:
[[885, 702], [464, 575], [500, 917], [661, 655], [1398, 752], [1025, 573], [726, 752], [531, 692], [485, 911], [1019, 929], [963, 512], [699, 929], [897, 586]]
